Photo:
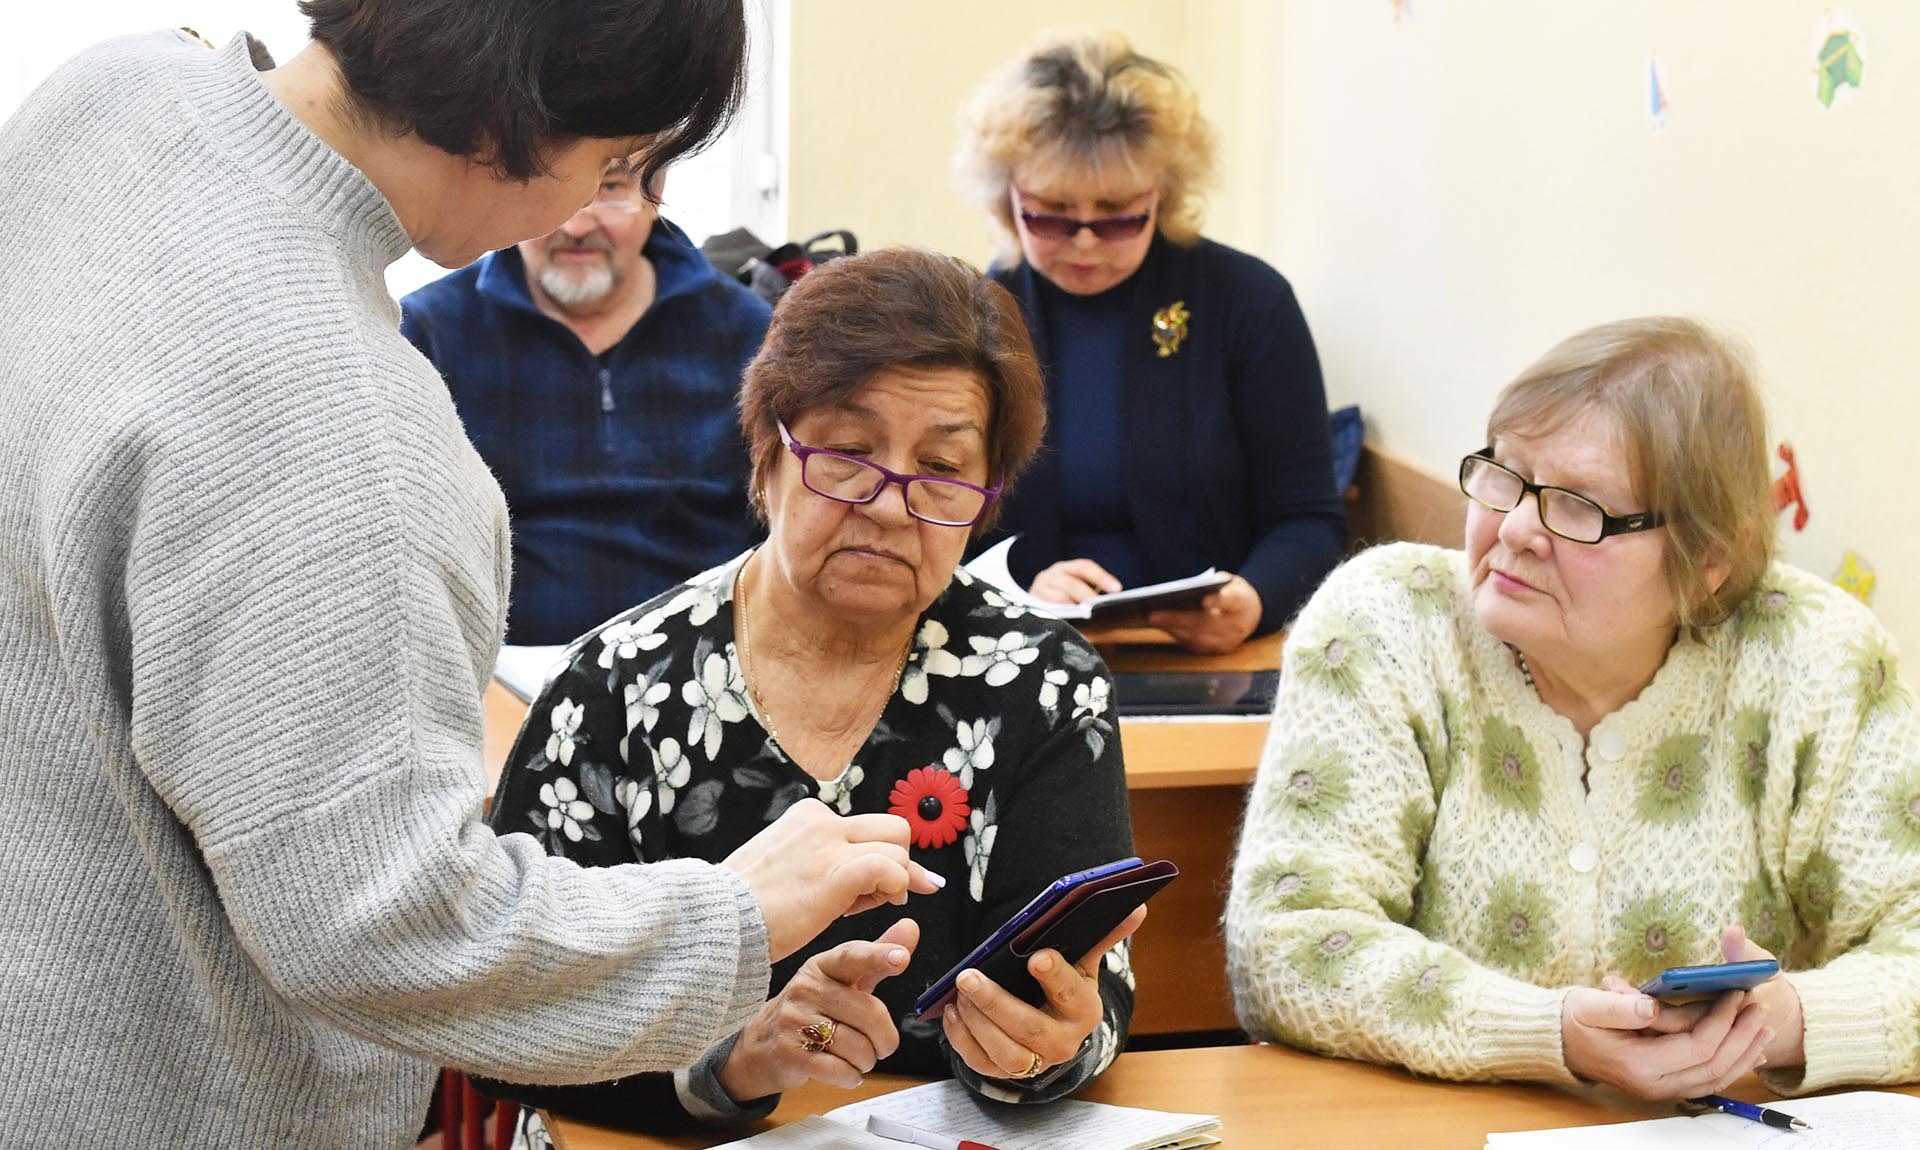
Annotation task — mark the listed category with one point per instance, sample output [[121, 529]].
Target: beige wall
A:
[[876, 86], [1452, 193]]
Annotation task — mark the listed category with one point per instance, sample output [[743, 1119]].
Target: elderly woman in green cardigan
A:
[[1505, 786]]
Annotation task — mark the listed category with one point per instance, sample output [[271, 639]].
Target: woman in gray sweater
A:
[[253, 577]]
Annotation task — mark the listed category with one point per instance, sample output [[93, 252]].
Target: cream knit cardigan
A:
[[1422, 875]]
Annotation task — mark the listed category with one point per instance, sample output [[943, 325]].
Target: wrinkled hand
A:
[[1073, 581], [835, 984], [813, 866], [997, 1035], [1777, 997], [1221, 622], [1653, 1050]]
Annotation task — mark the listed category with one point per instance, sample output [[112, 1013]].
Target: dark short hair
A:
[[847, 321], [502, 80]]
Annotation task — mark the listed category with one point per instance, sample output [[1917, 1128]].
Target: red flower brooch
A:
[[934, 804]]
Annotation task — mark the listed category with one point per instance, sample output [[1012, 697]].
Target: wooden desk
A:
[[1265, 1096], [1186, 783]]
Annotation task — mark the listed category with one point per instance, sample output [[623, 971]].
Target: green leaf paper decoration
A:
[[1840, 63]]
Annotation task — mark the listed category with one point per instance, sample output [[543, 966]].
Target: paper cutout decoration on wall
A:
[[1838, 62], [1856, 578], [1786, 490], [1659, 109]]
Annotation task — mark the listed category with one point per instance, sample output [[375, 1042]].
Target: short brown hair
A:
[[1695, 435], [1088, 99], [847, 321]]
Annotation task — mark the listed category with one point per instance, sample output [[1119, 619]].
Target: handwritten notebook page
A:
[[1861, 1120], [947, 1108]]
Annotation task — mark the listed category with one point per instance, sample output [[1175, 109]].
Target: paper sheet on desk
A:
[[948, 1108], [1861, 1120], [991, 567]]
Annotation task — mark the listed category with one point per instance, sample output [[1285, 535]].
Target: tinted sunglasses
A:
[[1049, 227]]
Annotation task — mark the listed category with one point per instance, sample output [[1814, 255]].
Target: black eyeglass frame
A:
[[1610, 523]]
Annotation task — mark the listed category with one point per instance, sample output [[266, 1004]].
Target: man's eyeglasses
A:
[[1568, 514], [616, 199], [850, 479], [1050, 227]]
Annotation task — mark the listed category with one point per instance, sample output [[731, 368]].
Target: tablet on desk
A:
[[1195, 692]]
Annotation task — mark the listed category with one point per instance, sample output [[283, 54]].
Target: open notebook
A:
[[1861, 1120], [1131, 604], [947, 1108]]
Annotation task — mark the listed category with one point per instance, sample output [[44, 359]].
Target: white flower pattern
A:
[[565, 719], [1000, 661], [671, 770], [636, 798], [626, 639], [838, 793], [1090, 699], [984, 828], [643, 697], [718, 697], [1051, 680], [930, 659], [566, 810], [975, 751]]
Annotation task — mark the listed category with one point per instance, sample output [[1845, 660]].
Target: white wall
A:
[[877, 85], [1454, 192]]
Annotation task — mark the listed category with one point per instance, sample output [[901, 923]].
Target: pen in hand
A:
[[1779, 1119], [901, 1132]]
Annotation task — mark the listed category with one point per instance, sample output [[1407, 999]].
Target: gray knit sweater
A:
[[252, 579]]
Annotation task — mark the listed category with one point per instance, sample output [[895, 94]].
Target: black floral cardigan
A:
[[999, 746]]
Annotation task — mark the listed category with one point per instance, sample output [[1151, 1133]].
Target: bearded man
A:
[[595, 369]]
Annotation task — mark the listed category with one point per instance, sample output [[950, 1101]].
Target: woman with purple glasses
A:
[[848, 660], [1189, 424]]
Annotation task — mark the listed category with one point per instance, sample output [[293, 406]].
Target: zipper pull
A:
[[606, 390]]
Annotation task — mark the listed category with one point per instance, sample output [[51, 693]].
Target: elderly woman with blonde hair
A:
[[1504, 787], [1190, 424]]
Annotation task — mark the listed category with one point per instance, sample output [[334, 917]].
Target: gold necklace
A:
[[746, 657]]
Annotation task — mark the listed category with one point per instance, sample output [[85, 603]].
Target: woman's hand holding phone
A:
[[1787, 1047], [1656, 1050], [997, 1035]]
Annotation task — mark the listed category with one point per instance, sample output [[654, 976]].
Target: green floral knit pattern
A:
[[1422, 874]]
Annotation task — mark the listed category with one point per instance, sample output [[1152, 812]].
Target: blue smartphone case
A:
[[1070, 916], [1700, 981]]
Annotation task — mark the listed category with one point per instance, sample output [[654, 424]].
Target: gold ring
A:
[[1034, 1068], [817, 1036]]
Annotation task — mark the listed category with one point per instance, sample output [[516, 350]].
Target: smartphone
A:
[[1681, 982], [1071, 915]]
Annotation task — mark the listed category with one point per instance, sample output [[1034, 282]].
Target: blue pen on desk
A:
[[1778, 1119]]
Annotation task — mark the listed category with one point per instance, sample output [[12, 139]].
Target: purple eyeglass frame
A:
[[801, 451]]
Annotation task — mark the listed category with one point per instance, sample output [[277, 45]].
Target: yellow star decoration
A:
[[1856, 578], [1170, 327]]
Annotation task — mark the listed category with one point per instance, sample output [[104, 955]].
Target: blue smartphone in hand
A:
[[1070, 915], [1683, 982]]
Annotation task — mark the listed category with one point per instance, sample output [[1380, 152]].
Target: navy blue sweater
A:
[[1223, 445], [624, 474]]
